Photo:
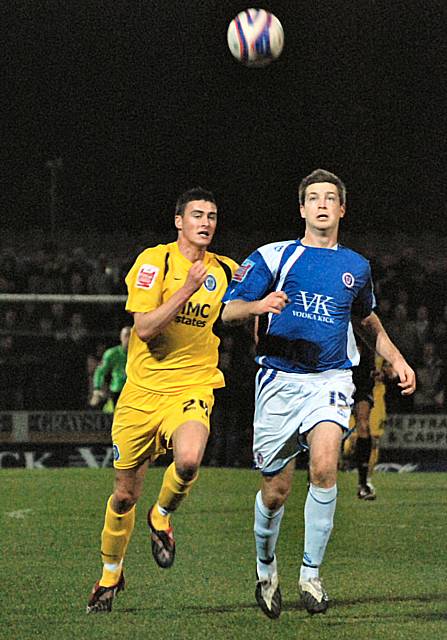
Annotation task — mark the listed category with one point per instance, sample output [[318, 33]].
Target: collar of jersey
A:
[[307, 246], [174, 249]]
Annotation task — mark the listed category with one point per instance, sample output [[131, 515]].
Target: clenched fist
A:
[[196, 276], [272, 303]]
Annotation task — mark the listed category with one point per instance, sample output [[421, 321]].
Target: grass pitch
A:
[[385, 566]]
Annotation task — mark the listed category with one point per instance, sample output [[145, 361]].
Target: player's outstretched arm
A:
[[388, 350], [241, 310], [150, 324]]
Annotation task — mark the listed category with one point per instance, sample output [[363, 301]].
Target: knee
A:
[[187, 468], [363, 429], [323, 477], [274, 498], [123, 500]]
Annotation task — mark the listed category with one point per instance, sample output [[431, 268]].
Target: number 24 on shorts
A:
[[190, 404]]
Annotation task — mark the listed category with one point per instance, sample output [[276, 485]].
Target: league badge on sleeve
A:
[[241, 273], [146, 276]]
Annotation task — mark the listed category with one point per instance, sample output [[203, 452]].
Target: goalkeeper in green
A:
[[113, 368]]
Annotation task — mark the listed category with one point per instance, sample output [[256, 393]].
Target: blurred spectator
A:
[[77, 284], [11, 377], [384, 311], [82, 266], [46, 326], [11, 274], [388, 280], [409, 271], [37, 278], [440, 339], [402, 332], [102, 279], [59, 321], [29, 320], [77, 331], [434, 283], [9, 323], [402, 297], [430, 392], [423, 328]]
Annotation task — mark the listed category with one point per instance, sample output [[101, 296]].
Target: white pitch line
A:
[[20, 514]]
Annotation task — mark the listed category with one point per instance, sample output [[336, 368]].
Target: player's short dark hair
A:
[[197, 193], [321, 175]]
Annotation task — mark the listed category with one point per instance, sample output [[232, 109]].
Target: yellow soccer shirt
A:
[[185, 354]]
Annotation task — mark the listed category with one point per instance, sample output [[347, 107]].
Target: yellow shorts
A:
[[144, 421]]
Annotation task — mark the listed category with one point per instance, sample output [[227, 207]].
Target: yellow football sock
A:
[[172, 492], [114, 540]]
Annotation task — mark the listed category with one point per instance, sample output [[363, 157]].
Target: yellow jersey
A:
[[185, 354]]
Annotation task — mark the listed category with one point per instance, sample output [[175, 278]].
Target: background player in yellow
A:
[[174, 293], [368, 417]]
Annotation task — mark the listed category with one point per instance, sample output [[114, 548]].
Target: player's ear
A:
[[178, 220], [303, 215], [342, 211]]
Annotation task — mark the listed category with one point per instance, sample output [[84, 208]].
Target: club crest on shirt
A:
[[146, 276], [210, 283], [241, 273], [348, 279]]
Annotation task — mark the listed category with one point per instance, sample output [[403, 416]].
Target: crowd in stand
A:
[[48, 351]]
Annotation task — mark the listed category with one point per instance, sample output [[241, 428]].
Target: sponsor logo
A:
[[192, 314], [314, 306], [55, 455], [146, 276], [259, 459], [241, 273], [116, 452], [67, 422], [210, 283], [348, 279]]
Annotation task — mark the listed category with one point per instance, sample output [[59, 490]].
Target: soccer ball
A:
[[255, 37]]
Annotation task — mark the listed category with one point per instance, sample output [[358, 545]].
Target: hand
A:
[[98, 396], [196, 276], [272, 303], [406, 376]]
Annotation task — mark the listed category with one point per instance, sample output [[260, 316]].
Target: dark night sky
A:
[[143, 100]]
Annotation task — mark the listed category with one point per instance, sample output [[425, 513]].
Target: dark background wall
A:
[[142, 100]]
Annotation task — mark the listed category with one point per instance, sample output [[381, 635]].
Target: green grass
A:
[[385, 566]]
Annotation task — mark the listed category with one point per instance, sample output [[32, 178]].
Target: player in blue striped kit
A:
[[306, 295]]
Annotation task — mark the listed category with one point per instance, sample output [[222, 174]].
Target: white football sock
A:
[[266, 530], [318, 521]]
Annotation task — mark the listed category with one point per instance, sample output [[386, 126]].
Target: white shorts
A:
[[290, 404]]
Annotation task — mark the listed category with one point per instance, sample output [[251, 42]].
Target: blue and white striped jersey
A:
[[325, 287]]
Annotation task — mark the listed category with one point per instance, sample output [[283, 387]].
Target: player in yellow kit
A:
[[174, 293], [368, 418]]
